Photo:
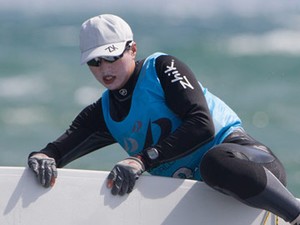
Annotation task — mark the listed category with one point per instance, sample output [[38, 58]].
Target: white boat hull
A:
[[80, 197]]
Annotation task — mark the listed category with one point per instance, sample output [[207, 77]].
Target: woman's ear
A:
[[133, 49]]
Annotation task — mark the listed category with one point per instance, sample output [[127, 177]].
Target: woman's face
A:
[[114, 75]]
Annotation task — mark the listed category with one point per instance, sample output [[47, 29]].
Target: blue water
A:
[[251, 62]]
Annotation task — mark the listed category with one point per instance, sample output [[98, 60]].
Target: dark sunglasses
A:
[[97, 61]]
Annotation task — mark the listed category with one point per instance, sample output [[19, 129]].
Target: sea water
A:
[[251, 62]]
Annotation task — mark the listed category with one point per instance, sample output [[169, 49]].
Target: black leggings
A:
[[236, 166], [248, 170]]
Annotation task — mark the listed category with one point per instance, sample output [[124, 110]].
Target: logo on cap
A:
[[111, 48]]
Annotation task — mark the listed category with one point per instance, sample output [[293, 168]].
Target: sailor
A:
[[168, 123]]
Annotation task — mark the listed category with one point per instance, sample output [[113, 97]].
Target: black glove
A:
[[44, 168], [122, 178]]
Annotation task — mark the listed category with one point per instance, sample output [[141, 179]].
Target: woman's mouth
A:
[[108, 79]]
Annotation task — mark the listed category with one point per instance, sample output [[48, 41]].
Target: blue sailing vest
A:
[[150, 120]]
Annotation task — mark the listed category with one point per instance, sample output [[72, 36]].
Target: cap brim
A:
[[114, 49]]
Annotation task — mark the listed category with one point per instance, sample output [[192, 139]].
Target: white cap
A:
[[103, 35]]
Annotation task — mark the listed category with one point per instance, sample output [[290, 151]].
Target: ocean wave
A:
[[21, 86], [199, 8], [24, 115], [86, 95], [279, 41]]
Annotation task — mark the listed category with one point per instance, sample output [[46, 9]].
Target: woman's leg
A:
[[252, 174]]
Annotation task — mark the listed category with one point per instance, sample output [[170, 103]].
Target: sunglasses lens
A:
[[93, 62]]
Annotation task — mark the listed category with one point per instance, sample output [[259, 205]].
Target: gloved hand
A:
[[122, 178], [44, 168]]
